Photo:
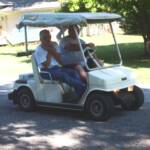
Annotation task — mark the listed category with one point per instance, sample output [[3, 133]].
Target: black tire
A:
[[25, 99], [99, 107], [134, 100]]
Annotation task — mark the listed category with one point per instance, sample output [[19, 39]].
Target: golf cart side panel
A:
[[30, 85], [111, 78], [45, 92], [51, 92]]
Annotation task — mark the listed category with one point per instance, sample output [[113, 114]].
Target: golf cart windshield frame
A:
[[98, 65], [66, 19]]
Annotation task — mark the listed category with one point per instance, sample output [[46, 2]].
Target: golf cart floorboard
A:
[[63, 105]]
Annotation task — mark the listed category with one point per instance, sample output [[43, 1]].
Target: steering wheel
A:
[[88, 51], [89, 54]]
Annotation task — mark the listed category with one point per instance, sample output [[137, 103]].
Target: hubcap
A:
[[96, 108], [25, 101]]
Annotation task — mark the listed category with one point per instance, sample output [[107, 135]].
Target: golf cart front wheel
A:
[[99, 107], [25, 99], [133, 100]]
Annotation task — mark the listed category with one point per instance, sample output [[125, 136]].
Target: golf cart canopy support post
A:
[[81, 48], [117, 47], [82, 51], [26, 38]]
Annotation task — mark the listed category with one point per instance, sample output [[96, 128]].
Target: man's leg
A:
[[71, 72], [70, 77]]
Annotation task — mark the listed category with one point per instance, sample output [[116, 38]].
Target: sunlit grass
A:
[[107, 39], [10, 64]]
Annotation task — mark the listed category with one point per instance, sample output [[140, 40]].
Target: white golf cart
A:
[[108, 85]]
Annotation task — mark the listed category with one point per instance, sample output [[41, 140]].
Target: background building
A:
[[11, 15]]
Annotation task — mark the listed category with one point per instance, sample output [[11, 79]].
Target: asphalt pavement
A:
[[69, 130]]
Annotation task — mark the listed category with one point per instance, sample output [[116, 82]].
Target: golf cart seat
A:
[[45, 77], [39, 75]]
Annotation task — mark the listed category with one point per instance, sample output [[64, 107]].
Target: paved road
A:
[[65, 130]]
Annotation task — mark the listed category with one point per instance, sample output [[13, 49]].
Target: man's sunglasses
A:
[[46, 38]]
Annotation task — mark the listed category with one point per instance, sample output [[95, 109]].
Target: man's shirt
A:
[[41, 56]]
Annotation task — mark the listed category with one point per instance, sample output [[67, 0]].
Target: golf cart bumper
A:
[[13, 96]]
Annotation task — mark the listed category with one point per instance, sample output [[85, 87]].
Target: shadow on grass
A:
[[142, 63], [19, 54], [26, 53], [132, 54], [8, 54]]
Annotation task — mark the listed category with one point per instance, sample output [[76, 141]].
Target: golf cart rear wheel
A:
[[25, 99], [133, 100], [99, 107]]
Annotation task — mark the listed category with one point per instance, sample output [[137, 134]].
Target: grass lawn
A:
[[131, 49], [11, 65]]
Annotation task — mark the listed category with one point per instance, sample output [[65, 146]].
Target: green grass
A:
[[10, 64], [131, 48]]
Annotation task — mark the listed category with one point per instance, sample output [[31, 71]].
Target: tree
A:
[[135, 12]]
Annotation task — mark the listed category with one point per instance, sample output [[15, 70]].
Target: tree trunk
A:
[[147, 46]]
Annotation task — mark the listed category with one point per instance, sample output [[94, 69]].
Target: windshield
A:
[[105, 51], [92, 46]]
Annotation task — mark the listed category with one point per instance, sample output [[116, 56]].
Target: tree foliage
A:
[[135, 12]]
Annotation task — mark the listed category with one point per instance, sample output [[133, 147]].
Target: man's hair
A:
[[42, 33]]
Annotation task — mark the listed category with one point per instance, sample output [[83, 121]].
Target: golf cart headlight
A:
[[130, 88], [116, 91]]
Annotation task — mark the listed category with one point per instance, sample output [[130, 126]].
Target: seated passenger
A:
[[48, 58], [71, 54]]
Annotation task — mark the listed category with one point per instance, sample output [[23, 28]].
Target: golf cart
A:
[[107, 85]]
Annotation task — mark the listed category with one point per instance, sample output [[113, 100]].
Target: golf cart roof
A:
[[65, 19]]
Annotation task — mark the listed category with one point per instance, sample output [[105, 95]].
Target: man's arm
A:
[[47, 62], [56, 55], [52, 52], [91, 45]]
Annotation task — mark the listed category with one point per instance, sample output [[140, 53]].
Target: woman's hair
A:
[[72, 28]]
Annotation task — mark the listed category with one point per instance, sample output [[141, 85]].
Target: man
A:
[[48, 58], [70, 49]]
